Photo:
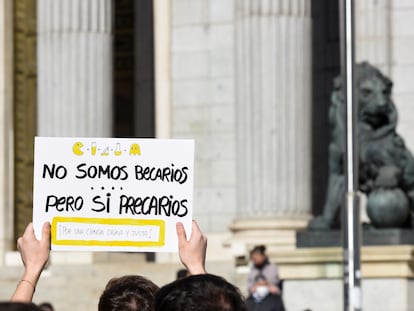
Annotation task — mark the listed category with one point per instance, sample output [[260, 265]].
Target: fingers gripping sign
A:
[[34, 254]]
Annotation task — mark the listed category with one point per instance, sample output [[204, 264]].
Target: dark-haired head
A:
[[18, 306], [46, 306], [202, 292], [128, 293], [182, 273], [258, 256], [258, 249]]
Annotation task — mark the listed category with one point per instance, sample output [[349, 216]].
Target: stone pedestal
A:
[[74, 68], [333, 238], [315, 275], [276, 234], [390, 294], [273, 102]]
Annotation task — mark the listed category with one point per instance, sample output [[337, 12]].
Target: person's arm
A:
[[192, 252], [34, 254], [250, 280], [272, 275]]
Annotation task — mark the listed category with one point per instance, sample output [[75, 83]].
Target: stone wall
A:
[[385, 38], [402, 74]]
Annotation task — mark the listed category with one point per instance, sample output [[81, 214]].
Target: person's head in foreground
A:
[[18, 306], [201, 292], [128, 293]]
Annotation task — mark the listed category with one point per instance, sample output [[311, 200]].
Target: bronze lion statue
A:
[[386, 166]]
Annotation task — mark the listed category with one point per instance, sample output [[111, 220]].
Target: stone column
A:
[[6, 129], [162, 38], [74, 74], [273, 79], [74, 67]]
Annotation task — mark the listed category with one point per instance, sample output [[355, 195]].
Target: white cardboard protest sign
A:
[[113, 194]]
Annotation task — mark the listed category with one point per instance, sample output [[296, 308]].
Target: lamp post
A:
[[350, 224]]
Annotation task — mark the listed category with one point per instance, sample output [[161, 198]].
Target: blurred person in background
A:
[[263, 283]]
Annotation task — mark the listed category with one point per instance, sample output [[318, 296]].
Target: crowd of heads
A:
[[194, 289], [202, 292]]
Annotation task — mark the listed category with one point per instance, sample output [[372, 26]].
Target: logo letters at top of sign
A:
[[78, 146], [118, 151], [135, 150], [93, 149], [105, 152]]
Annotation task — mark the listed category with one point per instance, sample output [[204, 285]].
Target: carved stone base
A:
[[275, 233], [315, 275], [332, 238], [327, 262]]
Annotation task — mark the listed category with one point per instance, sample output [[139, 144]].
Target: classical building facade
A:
[[248, 80]]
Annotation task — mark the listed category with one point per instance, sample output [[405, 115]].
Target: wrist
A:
[[197, 270], [32, 274], [28, 283]]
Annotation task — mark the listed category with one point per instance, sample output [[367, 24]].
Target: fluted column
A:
[[162, 37], [6, 128], [273, 61], [74, 67]]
